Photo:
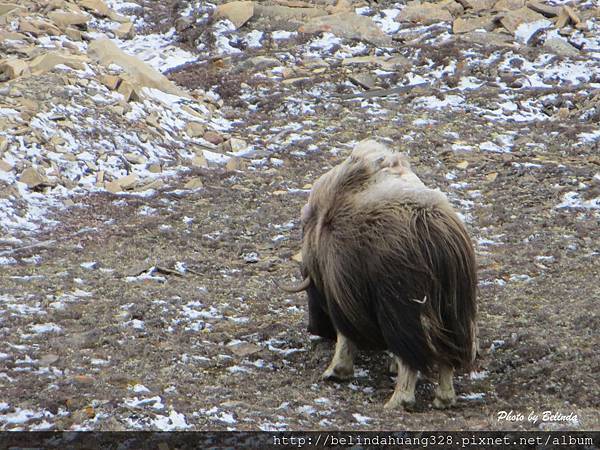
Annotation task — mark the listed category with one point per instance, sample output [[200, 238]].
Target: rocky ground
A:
[[154, 157]]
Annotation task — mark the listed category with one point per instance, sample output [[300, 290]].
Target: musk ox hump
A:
[[391, 169], [381, 156], [374, 151], [372, 167]]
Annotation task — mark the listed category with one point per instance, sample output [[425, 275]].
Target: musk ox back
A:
[[388, 265]]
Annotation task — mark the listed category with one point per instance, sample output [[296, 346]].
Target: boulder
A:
[[425, 13], [512, 19], [7, 10], [350, 26], [101, 9], [560, 47], [48, 61], [125, 31], [63, 19], [139, 74], [237, 12], [464, 25], [13, 68], [33, 178]]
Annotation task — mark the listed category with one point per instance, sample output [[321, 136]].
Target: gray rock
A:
[[350, 26], [396, 62], [237, 12], [425, 13], [243, 349], [491, 38], [464, 25], [279, 12], [315, 63], [364, 80], [560, 47], [260, 63], [251, 257], [47, 360]]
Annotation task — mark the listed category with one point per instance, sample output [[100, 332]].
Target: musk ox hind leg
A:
[[444, 393], [404, 394], [342, 364]]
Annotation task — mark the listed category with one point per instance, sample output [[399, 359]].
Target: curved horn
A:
[[294, 289]]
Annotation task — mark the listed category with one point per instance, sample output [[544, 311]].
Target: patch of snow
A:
[[386, 21], [589, 138], [181, 267], [496, 344], [152, 402], [526, 30], [521, 278], [7, 260], [462, 148], [147, 211], [45, 328], [360, 372], [473, 396], [286, 351], [35, 259], [216, 158], [146, 276], [158, 50], [363, 420], [220, 416], [273, 426], [44, 425], [481, 375], [99, 362], [469, 84], [306, 410], [326, 42], [238, 369], [432, 102], [492, 147], [282, 35], [22, 416], [485, 242], [253, 39], [223, 30], [574, 200], [545, 258], [173, 422]]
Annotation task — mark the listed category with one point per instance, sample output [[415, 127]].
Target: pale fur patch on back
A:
[[406, 188], [393, 178], [372, 151]]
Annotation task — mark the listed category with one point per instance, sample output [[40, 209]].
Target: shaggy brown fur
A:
[[390, 266]]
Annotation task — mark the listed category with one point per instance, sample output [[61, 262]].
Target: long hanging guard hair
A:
[[388, 263]]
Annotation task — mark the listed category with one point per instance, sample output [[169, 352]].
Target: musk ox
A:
[[388, 265]]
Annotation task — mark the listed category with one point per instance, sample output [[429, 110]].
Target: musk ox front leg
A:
[[404, 394], [444, 393], [342, 364]]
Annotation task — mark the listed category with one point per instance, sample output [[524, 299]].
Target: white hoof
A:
[[400, 401], [444, 403]]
